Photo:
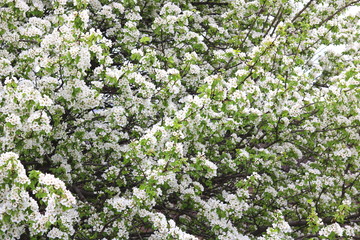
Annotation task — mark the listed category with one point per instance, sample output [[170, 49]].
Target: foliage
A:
[[179, 119]]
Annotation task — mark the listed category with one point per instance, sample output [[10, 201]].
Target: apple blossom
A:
[[179, 119]]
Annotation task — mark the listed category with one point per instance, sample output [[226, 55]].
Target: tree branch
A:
[[336, 12], [209, 4], [301, 11]]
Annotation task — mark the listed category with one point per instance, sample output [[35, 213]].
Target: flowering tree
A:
[[179, 120]]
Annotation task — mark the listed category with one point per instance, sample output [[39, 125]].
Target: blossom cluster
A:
[[179, 119]]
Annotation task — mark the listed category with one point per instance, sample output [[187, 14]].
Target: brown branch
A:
[[113, 219], [307, 236], [29, 41], [82, 193], [336, 12], [327, 130], [209, 4], [273, 21], [277, 23], [301, 11], [248, 33]]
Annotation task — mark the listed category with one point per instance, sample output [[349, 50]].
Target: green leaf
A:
[[145, 40]]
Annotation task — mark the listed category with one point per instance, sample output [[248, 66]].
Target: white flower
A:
[[21, 4], [84, 16], [170, 8], [56, 233], [120, 203], [194, 69], [335, 227], [49, 179], [13, 119]]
